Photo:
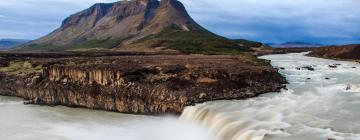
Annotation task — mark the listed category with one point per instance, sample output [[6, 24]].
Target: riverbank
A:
[[345, 52], [136, 84]]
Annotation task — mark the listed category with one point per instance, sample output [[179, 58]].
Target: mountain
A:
[[296, 44], [138, 25], [340, 52], [9, 43]]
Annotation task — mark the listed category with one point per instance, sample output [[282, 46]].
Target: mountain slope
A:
[[9, 43], [135, 25]]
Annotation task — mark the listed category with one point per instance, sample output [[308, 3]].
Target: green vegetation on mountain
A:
[[89, 44], [194, 42], [248, 43]]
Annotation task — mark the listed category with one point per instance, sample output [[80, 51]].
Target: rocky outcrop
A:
[[338, 52], [142, 84]]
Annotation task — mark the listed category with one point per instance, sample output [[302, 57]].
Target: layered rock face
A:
[[141, 84], [340, 52]]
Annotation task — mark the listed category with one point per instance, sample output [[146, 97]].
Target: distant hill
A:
[[295, 44], [137, 25], [341, 52], [9, 43]]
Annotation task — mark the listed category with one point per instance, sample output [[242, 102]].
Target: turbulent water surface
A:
[[318, 105]]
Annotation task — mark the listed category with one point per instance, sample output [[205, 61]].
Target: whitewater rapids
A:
[[318, 105]]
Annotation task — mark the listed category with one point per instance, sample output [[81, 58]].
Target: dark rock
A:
[[333, 66], [348, 87], [153, 84], [310, 68], [327, 78]]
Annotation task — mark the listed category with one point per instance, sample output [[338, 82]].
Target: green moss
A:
[[21, 68]]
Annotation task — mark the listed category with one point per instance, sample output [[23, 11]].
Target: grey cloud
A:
[[280, 20], [323, 21]]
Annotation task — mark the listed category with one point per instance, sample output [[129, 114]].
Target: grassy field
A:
[[21, 68]]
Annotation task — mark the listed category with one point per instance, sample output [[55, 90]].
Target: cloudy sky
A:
[[316, 21]]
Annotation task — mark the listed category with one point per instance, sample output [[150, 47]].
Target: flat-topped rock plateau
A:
[[134, 83]]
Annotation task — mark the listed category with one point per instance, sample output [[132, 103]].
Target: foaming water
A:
[[318, 105], [31, 122]]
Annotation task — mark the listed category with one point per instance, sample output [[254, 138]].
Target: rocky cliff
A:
[[150, 84], [338, 52]]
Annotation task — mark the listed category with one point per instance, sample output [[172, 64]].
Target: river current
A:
[[317, 105]]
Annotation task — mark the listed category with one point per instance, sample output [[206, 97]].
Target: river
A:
[[318, 105]]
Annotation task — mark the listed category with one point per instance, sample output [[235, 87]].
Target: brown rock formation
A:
[[152, 84], [338, 52]]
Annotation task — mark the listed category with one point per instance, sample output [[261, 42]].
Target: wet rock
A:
[[282, 68], [333, 66], [354, 67], [348, 87], [310, 68], [308, 78], [327, 78]]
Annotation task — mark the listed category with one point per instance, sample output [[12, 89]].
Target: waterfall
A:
[[318, 105]]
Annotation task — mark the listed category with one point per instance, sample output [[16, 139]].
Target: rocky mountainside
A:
[[340, 52], [134, 25]]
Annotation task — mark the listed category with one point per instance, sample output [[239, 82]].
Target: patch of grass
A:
[[88, 44], [21, 68]]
